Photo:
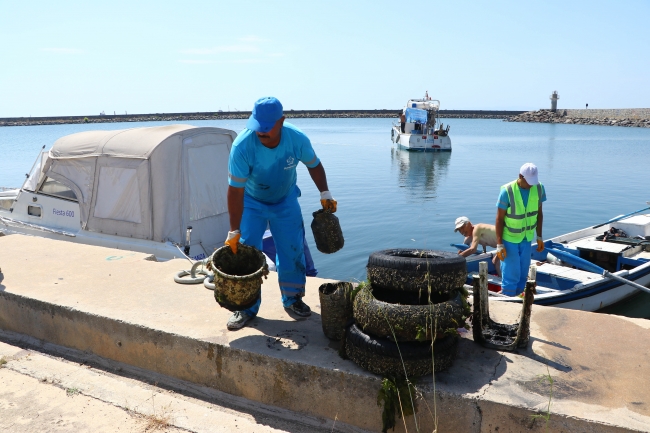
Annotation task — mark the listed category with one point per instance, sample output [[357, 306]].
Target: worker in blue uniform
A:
[[519, 218], [262, 191]]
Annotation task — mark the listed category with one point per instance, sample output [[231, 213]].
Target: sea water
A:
[[392, 198]]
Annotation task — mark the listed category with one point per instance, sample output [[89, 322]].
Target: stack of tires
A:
[[405, 319]]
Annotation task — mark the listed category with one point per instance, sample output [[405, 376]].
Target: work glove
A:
[[328, 202], [501, 252], [232, 240], [540, 244]]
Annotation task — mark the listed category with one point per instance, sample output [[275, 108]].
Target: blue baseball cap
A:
[[266, 112]]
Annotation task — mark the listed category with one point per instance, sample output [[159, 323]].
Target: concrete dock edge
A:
[[485, 391]]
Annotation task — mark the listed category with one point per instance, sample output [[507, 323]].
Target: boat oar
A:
[[621, 217], [463, 247], [588, 266], [576, 261], [638, 286]]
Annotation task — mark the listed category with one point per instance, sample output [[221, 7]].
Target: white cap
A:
[[460, 221], [529, 172]]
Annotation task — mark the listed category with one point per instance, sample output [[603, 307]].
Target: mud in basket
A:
[[336, 308], [238, 277]]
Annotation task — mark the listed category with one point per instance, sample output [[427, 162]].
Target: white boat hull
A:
[[600, 295], [161, 250], [60, 219], [420, 142]]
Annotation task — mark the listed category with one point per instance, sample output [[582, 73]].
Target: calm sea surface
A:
[[391, 198]]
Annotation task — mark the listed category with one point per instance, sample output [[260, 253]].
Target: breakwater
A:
[[221, 115], [630, 117]]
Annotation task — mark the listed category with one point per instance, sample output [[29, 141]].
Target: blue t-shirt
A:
[[269, 175], [504, 201]]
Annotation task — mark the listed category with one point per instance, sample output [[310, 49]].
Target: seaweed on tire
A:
[[381, 356], [416, 270], [385, 316]]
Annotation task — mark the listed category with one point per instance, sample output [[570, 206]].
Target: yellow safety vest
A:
[[520, 221]]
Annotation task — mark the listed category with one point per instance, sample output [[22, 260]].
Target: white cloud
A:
[[247, 50], [63, 50], [246, 61], [222, 49], [197, 62], [252, 39], [222, 61]]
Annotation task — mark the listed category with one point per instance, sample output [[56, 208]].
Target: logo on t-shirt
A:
[[290, 163]]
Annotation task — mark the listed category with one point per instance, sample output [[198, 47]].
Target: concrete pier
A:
[[124, 309]]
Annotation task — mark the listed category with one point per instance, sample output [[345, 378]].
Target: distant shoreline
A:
[[226, 115], [634, 117]]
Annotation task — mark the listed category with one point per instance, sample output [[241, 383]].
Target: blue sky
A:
[[79, 58]]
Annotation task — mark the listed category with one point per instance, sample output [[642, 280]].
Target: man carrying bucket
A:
[[519, 217], [262, 191]]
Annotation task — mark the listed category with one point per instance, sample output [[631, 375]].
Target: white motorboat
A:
[[137, 189], [160, 190], [586, 269], [422, 130]]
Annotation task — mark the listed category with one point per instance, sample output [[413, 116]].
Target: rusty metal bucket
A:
[[238, 277]]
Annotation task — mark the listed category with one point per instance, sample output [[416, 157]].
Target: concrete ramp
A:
[[120, 306]]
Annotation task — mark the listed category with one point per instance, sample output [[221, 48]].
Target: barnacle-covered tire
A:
[[384, 357], [378, 313], [417, 270]]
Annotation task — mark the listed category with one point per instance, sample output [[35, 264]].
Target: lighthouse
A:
[[554, 97]]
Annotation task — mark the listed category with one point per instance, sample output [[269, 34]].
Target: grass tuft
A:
[[547, 415], [156, 422], [3, 361]]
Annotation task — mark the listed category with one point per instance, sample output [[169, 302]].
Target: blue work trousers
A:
[[514, 269], [285, 221]]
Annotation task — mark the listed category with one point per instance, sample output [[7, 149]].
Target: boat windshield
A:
[[34, 175], [57, 189]]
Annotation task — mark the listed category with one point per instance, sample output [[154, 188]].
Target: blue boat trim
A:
[[585, 293]]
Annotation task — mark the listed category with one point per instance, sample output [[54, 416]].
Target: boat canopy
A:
[[415, 115], [424, 104], [146, 183]]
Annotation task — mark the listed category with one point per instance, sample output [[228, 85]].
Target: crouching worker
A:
[[262, 191], [475, 235]]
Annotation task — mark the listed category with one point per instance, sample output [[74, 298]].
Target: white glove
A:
[[232, 240], [327, 201], [232, 234]]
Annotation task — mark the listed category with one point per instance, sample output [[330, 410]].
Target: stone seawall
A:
[[296, 114], [631, 117], [617, 113]]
